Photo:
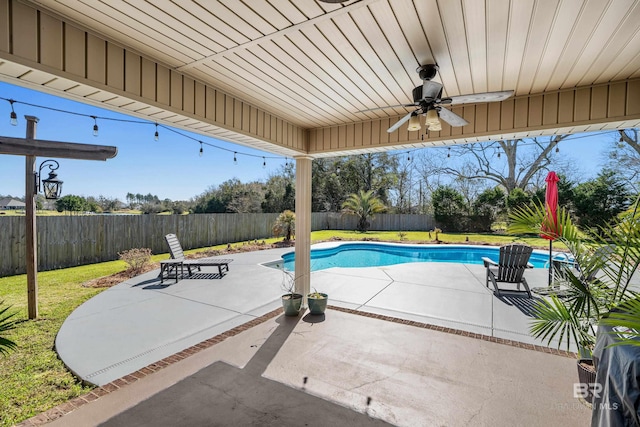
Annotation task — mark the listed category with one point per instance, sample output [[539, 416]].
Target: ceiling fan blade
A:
[[481, 97], [452, 118], [400, 123], [431, 89], [387, 107]]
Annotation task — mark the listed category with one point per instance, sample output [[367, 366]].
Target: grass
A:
[[34, 379]]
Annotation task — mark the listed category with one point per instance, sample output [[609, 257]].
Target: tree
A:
[[285, 225], [625, 154], [71, 203], [511, 163], [599, 201], [368, 172], [328, 190], [279, 191], [364, 205], [449, 208], [490, 203], [518, 198], [447, 202], [231, 196]]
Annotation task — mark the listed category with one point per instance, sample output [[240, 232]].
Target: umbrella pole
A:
[[550, 262]]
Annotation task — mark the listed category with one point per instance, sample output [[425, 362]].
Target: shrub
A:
[[137, 258]]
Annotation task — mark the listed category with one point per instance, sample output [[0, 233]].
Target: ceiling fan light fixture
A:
[[414, 123], [433, 122]]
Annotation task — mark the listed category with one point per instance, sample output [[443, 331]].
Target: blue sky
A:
[[169, 168]]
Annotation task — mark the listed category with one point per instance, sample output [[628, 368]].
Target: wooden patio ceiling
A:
[[312, 66]]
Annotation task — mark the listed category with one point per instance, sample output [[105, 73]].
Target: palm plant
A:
[[285, 224], [6, 325], [592, 286], [364, 205]]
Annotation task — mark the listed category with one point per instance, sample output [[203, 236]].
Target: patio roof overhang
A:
[[292, 78]]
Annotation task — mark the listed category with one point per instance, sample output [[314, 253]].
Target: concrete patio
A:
[[410, 344]]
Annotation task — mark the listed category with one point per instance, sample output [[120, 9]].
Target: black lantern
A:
[[52, 186]]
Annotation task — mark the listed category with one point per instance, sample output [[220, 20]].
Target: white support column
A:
[[303, 226]]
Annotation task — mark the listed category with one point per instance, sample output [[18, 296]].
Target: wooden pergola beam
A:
[[30, 147], [56, 149]]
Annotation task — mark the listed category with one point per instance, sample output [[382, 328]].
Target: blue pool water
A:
[[380, 254]]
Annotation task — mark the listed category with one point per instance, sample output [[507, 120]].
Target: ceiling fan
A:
[[428, 100]]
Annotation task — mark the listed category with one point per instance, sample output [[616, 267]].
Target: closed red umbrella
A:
[[550, 229]]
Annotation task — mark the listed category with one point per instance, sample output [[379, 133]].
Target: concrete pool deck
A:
[[115, 336]]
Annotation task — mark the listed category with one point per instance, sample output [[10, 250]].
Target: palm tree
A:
[[364, 205], [6, 325], [596, 287], [285, 224]]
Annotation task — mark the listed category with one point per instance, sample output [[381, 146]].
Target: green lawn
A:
[[34, 379]]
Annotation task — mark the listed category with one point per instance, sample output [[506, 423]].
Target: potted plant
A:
[[590, 288], [291, 301], [317, 302]]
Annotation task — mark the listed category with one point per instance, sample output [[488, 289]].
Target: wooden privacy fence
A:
[[67, 241]]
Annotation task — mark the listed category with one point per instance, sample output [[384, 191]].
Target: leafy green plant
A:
[[364, 205], [6, 324], [316, 295], [285, 225], [593, 286]]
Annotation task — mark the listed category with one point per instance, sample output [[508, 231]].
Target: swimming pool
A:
[[368, 254]]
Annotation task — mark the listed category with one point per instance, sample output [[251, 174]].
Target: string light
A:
[[14, 117], [557, 149], [14, 122], [95, 125], [498, 153], [264, 163]]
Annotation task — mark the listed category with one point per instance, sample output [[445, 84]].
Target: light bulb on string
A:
[[201, 149], [235, 158], [557, 149], [156, 136], [449, 152], [13, 116], [408, 157], [95, 125], [264, 163]]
